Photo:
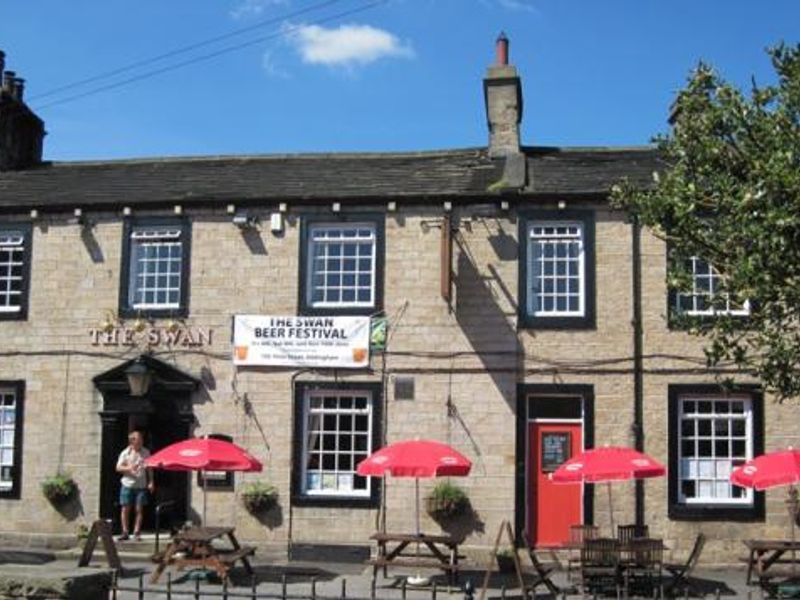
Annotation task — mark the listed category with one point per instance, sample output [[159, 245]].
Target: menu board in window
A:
[[555, 450]]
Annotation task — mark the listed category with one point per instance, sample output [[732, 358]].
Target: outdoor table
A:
[[194, 547], [442, 552], [766, 553]]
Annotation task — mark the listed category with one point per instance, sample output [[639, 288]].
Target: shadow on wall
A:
[[463, 525], [72, 508], [272, 518], [490, 330]]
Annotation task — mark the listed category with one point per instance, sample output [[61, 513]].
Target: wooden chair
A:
[[600, 564], [681, 572], [578, 534], [543, 572], [643, 566], [626, 533]]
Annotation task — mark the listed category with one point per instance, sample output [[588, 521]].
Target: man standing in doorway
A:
[[137, 481]]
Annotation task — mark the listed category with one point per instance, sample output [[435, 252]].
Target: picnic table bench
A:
[[439, 551], [193, 547], [764, 559]]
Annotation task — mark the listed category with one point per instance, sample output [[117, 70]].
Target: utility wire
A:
[[184, 49], [209, 56]]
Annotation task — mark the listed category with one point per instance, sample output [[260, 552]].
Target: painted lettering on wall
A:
[[186, 337]]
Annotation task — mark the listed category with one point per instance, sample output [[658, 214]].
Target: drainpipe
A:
[[638, 375]]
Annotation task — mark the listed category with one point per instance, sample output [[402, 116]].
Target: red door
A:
[[552, 507]]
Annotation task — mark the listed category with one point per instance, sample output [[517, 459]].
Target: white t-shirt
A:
[[136, 460]]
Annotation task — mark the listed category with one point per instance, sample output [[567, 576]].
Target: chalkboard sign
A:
[[555, 450]]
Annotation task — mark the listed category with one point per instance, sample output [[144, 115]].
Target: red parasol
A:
[[774, 469], [607, 464], [203, 454], [769, 470], [415, 458]]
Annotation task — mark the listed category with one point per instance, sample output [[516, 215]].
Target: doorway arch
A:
[[164, 415]]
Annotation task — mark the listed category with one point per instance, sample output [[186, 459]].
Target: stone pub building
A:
[[526, 320]]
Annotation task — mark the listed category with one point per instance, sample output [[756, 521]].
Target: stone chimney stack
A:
[[503, 96], [21, 131]]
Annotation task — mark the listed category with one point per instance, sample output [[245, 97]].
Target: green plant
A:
[[446, 501], [259, 497], [505, 560], [59, 488]]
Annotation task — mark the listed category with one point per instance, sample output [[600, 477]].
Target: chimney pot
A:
[[501, 49], [19, 88], [503, 97], [8, 81]]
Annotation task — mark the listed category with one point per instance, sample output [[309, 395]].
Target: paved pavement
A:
[[332, 580]]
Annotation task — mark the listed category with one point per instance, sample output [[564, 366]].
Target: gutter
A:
[[638, 371]]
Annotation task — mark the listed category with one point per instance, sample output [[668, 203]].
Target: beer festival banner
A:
[[288, 341]]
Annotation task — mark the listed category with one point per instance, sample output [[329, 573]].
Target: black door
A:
[[157, 417]]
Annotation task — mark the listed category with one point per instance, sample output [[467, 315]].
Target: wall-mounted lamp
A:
[[504, 205], [178, 209], [447, 206], [243, 220], [562, 204], [126, 211], [34, 214], [336, 207], [139, 377], [391, 206]]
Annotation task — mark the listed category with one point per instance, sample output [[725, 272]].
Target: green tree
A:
[[729, 193]]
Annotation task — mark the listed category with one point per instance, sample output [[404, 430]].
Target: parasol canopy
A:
[[203, 454]]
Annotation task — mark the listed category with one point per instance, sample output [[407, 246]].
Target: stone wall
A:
[[469, 355]]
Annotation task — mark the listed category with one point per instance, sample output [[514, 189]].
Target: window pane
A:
[[339, 424], [345, 277], [709, 447], [553, 250]]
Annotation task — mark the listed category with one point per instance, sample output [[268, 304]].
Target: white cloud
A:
[[346, 45], [254, 8], [271, 66]]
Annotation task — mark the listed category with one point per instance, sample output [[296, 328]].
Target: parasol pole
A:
[[792, 504], [203, 477], [610, 508]]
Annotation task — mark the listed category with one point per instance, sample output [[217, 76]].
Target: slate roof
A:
[[454, 174]]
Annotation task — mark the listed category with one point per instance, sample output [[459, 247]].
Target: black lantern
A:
[[139, 377]]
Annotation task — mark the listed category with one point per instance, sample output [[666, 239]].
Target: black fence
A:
[[205, 590]]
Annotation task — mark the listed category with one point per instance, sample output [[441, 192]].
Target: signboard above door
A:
[[290, 341]]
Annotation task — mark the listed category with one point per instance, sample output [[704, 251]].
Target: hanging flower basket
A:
[[446, 501], [259, 497], [59, 489]]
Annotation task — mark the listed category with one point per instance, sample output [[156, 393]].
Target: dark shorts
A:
[[130, 496]]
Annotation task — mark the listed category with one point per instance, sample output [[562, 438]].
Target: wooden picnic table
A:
[[440, 551], [194, 547], [765, 554]]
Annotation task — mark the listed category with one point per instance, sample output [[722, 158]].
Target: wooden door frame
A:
[[526, 391]]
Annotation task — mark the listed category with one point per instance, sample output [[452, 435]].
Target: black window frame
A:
[[306, 221], [126, 310], [300, 499], [678, 511], [27, 255], [588, 319], [16, 486]]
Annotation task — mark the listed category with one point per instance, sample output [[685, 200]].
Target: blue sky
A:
[[399, 75]]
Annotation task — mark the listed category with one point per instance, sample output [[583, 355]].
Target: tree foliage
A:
[[730, 193]]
